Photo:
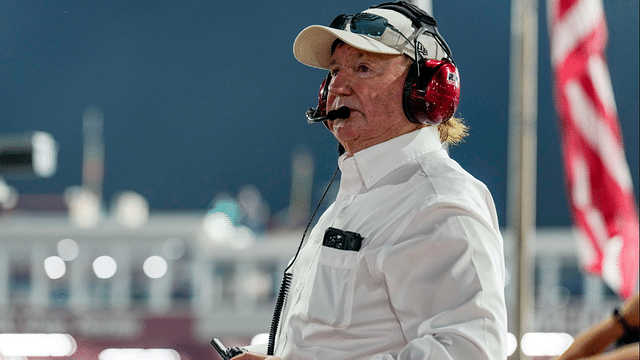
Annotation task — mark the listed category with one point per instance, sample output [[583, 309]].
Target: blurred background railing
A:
[[114, 287]]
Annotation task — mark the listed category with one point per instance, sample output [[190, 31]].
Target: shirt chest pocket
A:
[[331, 298]]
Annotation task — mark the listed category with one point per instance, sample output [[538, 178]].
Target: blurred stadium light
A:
[[8, 195], [30, 155], [104, 266], [14, 345], [545, 344], [155, 267], [54, 267], [139, 354], [130, 209], [84, 206], [68, 249]]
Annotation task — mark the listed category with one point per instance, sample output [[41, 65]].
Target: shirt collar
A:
[[375, 162]]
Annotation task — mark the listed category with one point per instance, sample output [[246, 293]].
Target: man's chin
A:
[[344, 133]]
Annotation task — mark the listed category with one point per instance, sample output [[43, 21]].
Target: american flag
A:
[[597, 173]]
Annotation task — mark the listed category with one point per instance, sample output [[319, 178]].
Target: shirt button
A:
[[370, 180], [299, 286]]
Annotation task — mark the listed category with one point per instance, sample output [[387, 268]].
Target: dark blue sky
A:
[[201, 97]]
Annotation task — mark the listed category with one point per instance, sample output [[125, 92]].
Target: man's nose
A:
[[341, 83]]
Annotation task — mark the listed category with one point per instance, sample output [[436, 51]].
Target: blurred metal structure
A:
[[29, 155], [93, 150], [426, 5], [522, 148]]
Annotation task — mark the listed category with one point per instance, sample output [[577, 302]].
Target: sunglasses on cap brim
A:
[[364, 24]]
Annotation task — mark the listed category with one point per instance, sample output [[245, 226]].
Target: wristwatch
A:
[[631, 334]]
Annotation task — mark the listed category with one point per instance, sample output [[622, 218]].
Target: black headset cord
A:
[[286, 279]]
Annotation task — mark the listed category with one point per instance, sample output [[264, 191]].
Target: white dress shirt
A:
[[428, 281]]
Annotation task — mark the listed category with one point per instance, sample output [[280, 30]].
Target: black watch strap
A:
[[620, 319]]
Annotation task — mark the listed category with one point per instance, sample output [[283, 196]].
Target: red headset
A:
[[433, 96], [429, 98], [432, 88]]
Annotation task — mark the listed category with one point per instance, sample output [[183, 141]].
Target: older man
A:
[[407, 263]]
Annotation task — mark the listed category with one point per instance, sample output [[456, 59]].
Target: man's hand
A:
[[254, 356]]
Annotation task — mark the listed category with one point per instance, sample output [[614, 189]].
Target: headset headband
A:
[[420, 20]]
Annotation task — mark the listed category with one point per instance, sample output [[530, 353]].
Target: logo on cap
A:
[[422, 50]]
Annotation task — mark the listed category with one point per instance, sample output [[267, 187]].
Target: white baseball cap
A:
[[375, 30]]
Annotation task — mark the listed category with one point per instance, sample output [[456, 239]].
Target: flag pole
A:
[[426, 5], [522, 149]]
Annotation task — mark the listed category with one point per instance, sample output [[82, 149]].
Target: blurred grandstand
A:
[[134, 285]]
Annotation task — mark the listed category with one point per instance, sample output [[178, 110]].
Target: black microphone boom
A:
[[340, 113]]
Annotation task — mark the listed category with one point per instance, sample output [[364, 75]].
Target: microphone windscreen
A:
[[340, 113]]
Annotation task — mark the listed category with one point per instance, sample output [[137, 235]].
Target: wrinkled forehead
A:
[[344, 51]]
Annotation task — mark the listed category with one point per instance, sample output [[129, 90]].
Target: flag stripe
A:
[[596, 168], [599, 72], [593, 129], [576, 24]]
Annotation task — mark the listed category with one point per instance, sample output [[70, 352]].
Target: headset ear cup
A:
[[322, 98], [321, 110], [432, 99]]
